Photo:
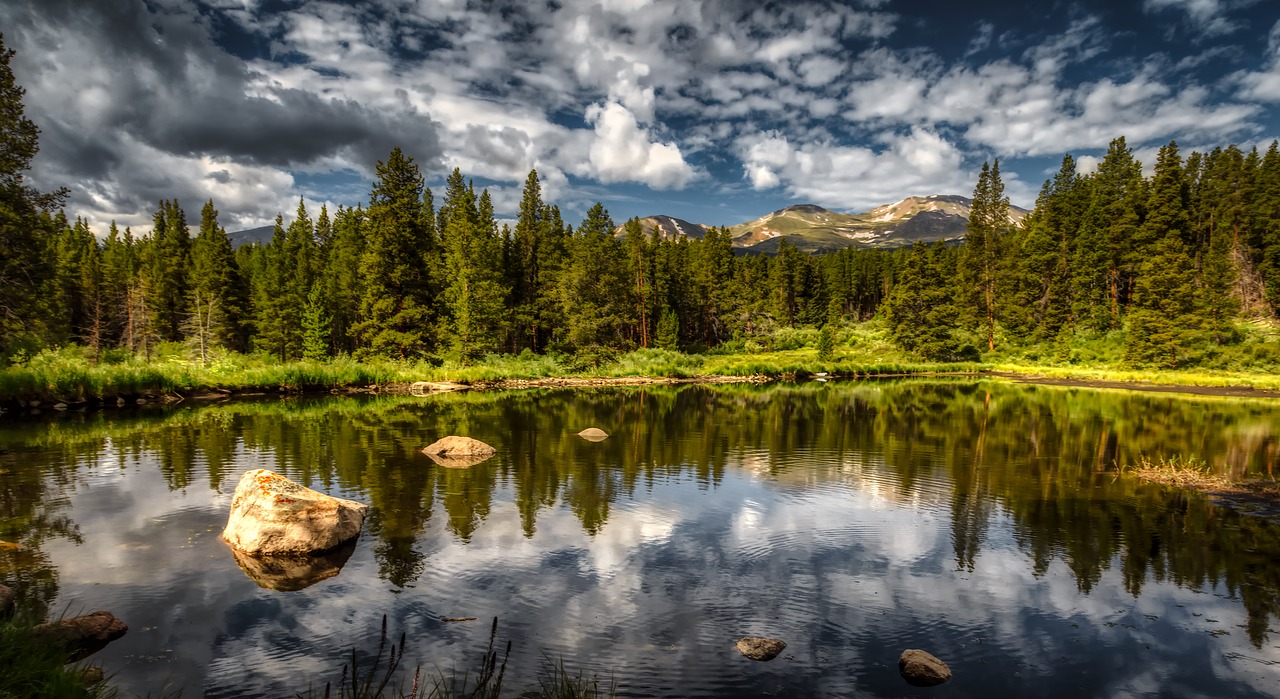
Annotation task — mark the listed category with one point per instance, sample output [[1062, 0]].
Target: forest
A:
[[1177, 269]]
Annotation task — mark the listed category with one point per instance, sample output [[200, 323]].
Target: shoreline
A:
[[1226, 386]]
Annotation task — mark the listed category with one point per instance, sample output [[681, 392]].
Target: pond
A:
[[987, 522]]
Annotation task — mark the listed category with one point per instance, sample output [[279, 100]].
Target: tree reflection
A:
[[1047, 458]]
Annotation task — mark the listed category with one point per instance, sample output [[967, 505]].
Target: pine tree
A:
[[921, 310], [24, 269], [216, 302], [1105, 261], [315, 326], [170, 259], [396, 317], [474, 295], [1165, 326], [983, 253], [344, 285], [594, 285]]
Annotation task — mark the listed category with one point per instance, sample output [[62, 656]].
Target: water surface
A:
[[986, 522]]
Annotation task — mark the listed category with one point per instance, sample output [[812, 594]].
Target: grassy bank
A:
[[33, 668], [1197, 474], [70, 375]]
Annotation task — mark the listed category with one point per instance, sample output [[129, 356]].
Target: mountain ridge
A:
[[813, 228]]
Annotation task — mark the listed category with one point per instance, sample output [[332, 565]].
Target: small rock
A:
[[119, 402], [59, 406], [273, 516], [82, 636], [7, 597], [594, 434], [141, 401], [921, 669], [34, 404], [761, 649]]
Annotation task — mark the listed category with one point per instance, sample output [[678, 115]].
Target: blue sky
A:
[[715, 111]]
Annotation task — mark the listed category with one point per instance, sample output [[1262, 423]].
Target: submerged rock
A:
[[921, 669], [761, 649], [82, 636], [293, 573], [273, 516], [594, 434]]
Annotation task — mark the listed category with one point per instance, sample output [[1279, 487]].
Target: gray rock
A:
[[761, 649], [82, 636], [594, 434], [921, 669], [59, 406]]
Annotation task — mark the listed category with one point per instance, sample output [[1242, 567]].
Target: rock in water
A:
[[458, 452], [920, 669], [273, 516], [594, 434], [6, 600], [453, 446], [82, 636], [761, 649]]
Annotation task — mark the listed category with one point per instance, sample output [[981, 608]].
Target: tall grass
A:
[[30, 667], [380, 677]]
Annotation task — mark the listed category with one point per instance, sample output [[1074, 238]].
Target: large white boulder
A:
[[273, 516]]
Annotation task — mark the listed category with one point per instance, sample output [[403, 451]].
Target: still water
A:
[[986, 522]]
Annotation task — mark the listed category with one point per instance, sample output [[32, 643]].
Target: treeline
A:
[[1166, 264], [405, 278], [1171, 262]]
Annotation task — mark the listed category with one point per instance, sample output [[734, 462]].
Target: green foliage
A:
[[35, 669], [315, 326], [826, 343]]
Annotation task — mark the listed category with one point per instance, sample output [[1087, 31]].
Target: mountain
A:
[[668, 227], [261, 234], [813, 228]]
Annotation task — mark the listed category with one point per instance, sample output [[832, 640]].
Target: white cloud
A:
[[622, 151], [1264, 85], [855, 178], [1205, 16]]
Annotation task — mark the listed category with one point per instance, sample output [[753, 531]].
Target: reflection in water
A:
[[850, 519], [293, 573]]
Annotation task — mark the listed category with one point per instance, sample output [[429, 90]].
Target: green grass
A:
[[861, 350], [35, 669]]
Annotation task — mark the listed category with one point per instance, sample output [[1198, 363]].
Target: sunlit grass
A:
[[861, 350], [1198, 474]]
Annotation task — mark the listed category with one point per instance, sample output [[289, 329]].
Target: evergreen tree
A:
[[983, 252], [344, 287], [474, 295], [24, 268], [315, 326], [593, 286], [216, 302], [1166, 323], [396, 317], [921, 310], [1105, 261], [170, 259]]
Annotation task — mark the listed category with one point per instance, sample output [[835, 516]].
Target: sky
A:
[[715, 111]]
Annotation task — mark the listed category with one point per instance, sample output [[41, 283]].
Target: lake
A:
[[987, 522]]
